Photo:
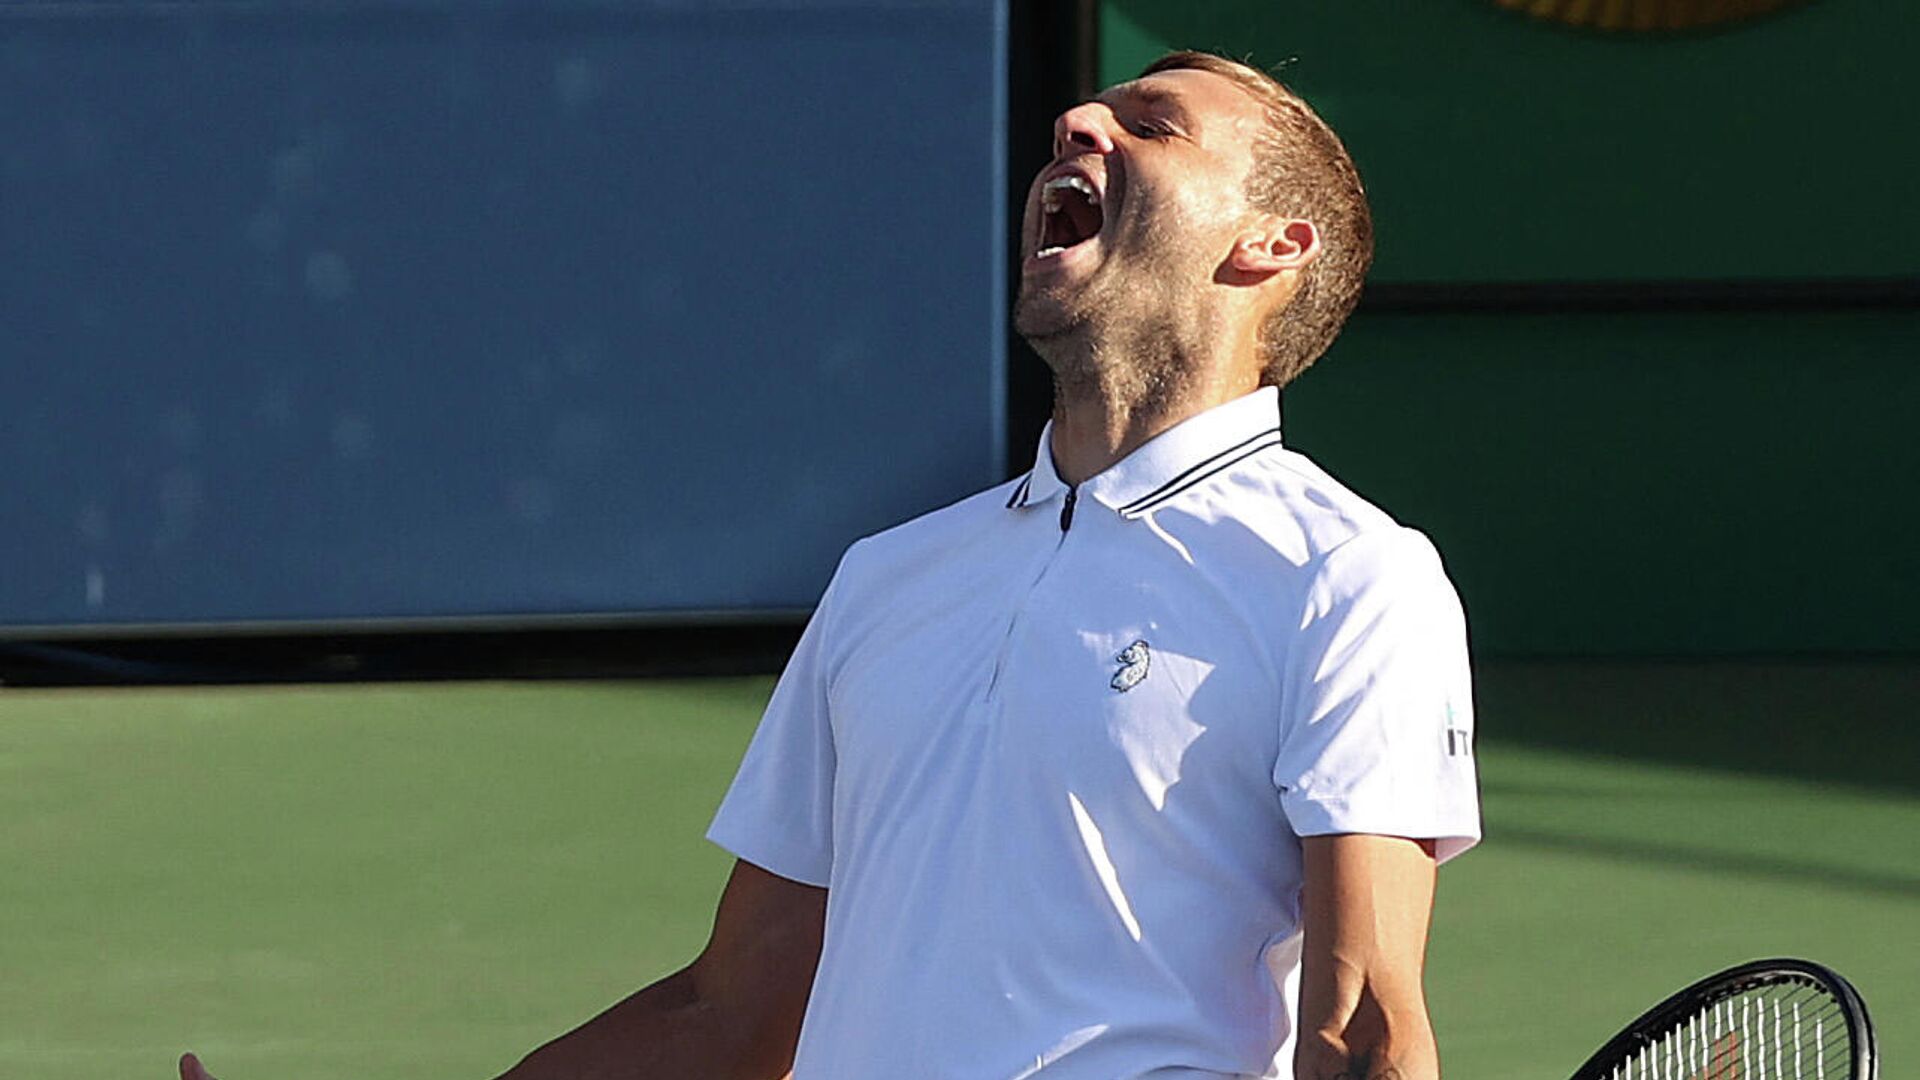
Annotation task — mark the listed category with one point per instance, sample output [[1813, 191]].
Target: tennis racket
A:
[[1766, 1020]]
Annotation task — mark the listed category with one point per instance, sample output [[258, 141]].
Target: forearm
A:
[[666, 1031], [1363, 1011], [733, 1014]]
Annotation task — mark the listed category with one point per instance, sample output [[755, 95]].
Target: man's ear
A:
[[1279, 244]]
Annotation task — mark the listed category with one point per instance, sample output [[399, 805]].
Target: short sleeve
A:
[[1378, 731], [778, 815]]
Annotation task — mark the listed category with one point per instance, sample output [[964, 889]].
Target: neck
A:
[[1115, 397]]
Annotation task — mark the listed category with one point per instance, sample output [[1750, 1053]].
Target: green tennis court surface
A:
[[425, 880]]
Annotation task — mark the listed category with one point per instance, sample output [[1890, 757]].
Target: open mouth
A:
[[1069, 214]]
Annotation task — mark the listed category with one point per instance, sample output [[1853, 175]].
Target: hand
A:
[[191, 1069], [1319, 1055]]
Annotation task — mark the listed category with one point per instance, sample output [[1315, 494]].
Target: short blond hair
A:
[[1301, 169]]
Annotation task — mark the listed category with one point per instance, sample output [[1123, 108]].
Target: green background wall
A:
[[1704, 483], [1496, 147]]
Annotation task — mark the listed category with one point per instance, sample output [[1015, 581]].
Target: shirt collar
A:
[[1168, 463]]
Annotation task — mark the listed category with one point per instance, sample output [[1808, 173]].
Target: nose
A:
[[1081, 128]]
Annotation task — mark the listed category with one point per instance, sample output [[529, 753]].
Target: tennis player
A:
[[1140, 765]]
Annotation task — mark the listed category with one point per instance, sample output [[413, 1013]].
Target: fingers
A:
[[191, 1069]]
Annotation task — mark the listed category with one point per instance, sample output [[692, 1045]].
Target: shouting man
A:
[[1139, 765]]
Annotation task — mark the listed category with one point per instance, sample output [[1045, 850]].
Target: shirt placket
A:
[[1024, 599]]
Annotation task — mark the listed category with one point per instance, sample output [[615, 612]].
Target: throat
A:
[[1138, 368], [1108, 405], [1089, 436]]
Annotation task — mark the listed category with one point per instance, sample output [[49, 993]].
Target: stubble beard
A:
[[1118, 337]]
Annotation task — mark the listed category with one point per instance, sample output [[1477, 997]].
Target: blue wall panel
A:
[[324, 313]]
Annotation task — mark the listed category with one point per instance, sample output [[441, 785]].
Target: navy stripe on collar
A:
[[1243, 449]]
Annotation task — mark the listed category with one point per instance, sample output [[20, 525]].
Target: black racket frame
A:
[[1724, 984]]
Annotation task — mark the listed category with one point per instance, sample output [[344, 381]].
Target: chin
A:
[[1044, 319], [1050, 306]]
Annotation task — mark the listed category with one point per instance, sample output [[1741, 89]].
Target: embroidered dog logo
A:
[[1134, 661]]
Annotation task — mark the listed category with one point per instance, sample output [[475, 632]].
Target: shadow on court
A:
[[1847, 721], [1722, 863]]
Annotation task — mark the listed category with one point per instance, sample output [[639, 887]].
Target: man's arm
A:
[[733, 1014], [1363, 1013]]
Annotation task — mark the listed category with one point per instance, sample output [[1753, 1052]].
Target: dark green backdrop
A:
[[1717, 482]]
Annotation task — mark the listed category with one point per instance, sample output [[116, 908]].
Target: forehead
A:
[[1203, 95]]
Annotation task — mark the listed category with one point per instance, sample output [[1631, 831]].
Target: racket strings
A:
[[1785, 1031]]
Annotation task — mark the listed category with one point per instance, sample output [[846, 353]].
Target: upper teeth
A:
[[1050, 193]]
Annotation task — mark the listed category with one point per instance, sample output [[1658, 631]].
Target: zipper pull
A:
[[1066, 508]]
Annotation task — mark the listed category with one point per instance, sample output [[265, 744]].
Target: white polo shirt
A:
[[1051, 751]]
